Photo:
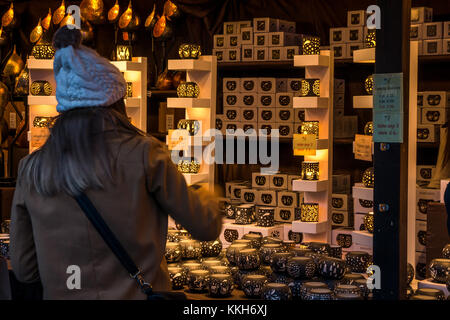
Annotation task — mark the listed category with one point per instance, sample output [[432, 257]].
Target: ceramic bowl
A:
[[255, 239], [319, 294], [335, 251], [177, 277], [220, 285], [198, 280], [301, 267], [211, 248], [245, 214], [308, 286], [319, 247], [207, 264], [190, 249], [300, 252], [439, 268], [248, 259], [267, 250], [350, 278], [233, 250], [332, 268], [219, 269], [253, 284], [358, 261], [273, 240], [347, 288], [276, 291], [279, 261]]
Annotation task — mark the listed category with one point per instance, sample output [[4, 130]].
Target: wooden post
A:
[[391, 166]]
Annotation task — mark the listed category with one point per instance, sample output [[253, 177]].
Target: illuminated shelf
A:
[[309, 186], [310, 227], [363, 102], [429, 283], [310, 102], [44, 64], [194, 178], [189, 64], [193, 142], [132, 102], [188, 103], [128, 65], [42, 100], [311, 61], [361, 192], [364, 55]]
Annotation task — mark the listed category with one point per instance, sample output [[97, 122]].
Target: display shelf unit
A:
[[318, 109], [42, 69], [202, 71], [364, 55], [363, 102]]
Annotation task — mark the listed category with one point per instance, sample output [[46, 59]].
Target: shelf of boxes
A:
[[135, 71], [318, 109], [363, 102], [202, 71]]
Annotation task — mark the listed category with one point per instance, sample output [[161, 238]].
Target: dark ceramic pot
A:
[[220, 285], [211, 248], [253, 284], [276, 291], [177, 277], [256, 239], [438, 294], [308, 286], [173, 252], [233, 250], [319, 294], [439, 268], [248, 259], [198, 280], [279, 261], [267, 250], [332, 268], [358, 261], [301, 267]]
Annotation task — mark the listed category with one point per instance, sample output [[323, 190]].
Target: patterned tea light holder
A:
[[255, 239], [248, 259], [431, 292], [253, 284], [310, 170], [129, 93], [219, 269], [220, 285], [177, 277], [288, 245], [446, 251], [5, 226], [350, 278], [245, 214], [335, 251], [347, 288], [301, 251], [190, 166], [273, 240], [368, 178], [332, 268], [211, 248], [310, 212], [207, 264], [310, 127], [280, 277], [319, 294], [310, 45], [189, 51], [188, 90], [358, 261], [369, 222], [265, 217], [192, 126], [41, 88], [301, 267], [319, 247], [190, 249], [310, 88], [439, 269], [276, 291], [267, 250], [230, 209], [368, 84], [371, 39], [310, 285], [233, 250], [279, 261], [198, 280], [190, 266], [368, 128], [173, 252], [4, 246]]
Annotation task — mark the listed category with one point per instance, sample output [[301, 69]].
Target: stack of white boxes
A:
[[362, 204], [260, 103], [433, 37], [344, 40], [263, 39], [264, 191], [432, 113], [424, 175], [343, 126]]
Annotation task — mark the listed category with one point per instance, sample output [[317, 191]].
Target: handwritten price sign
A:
[[363, 147], [305, 144]]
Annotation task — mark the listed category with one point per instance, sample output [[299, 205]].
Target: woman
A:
[[128, 176]]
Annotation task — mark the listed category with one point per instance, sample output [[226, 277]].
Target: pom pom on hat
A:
[[83, 77]]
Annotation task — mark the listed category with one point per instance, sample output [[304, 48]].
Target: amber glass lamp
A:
[[310, 127], [188, 90], [309, 212], [310, 170]]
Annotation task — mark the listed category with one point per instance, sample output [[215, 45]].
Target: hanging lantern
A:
[[129, 20], [368, 84], [68, 20], [22, 82], [14, 65], [3, 37], [370, 40], [310, 170], [3, 95], [9, 18], [113, 13], [368, 178], [43, 49], [151, 20], [47, 20], [310, 127], [162, 30], [92, 11], [36, 33], [368, 128], [59, 13], [171, 10], [309, 212], [310, 88]]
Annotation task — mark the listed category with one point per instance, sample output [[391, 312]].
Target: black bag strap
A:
[[113, 243]]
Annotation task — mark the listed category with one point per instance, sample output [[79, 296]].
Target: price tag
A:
[[177, 139], [363, 147], [305, 144]]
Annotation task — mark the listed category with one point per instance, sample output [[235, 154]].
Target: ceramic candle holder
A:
[[308, 286], [358, 261], [198, 280], [310, 170], [369, 222], [310, 45], [347, 288], [256, 239], [350, 278], [41, 88], [301, 267], [4, 246], [230, 209], [241, 274], [190, 249], [347, 296], [365, 292], [189, 166], [247, 242], [253, 284], [300, 252], [310, 88], [5, 226], [265, 217], [288, 245], [173, 235], [319, 247], [219, 269], [211, 248], [190, 266], [207, 264], [332, 268], [248, 259], [276, 291], [439, 268], [233, 250], [220, 285], [368, 84], [267, 250], [267, 240], [189, 51], [335, 251], [280, 277], [368, 128], [173, 252], [177, 277], [310, 127], [245, 214], [188, 90], [370, 41], [192, 126], [319, 294], [446, 252], [368, 178], [309, 212], [265, 270], [431, 292], [279, 261]]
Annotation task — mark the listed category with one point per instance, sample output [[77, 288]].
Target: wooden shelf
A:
[[42, 100], [188, 103], [128, 65], [250, 65], [361, 192], [364, 55], [43, 64], [310, 102], [310, 227], [189, 64], [309, 186], [363, 102], [161, 93], [343, 141], [192, 142], [311, 61], [194, 178]]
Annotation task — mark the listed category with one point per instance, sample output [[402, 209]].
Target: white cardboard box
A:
[[444, 184], [229, 186], [249, 196], [231, 99], [261, 181], [354, 34], [247, 53], [266, 100], [339, 86], [342, 218], [425, 172], [290, 178], [340, 50], [436, 99], [284, 115], [416, 32], [261, 39], [232, 114], [421, 231], [356, 18], [361, 192], [230, 28], [359, 221], [294, 84], [219, 41], [278, 181], [352, 47], [281, 85], [266, 115], [248, 100], [231, 85], [265, 25], [247, 35], [445, 46], [432, 47], [249, 114], [284, 99], [421, 14], [423, 197], [368, 249], [276, 54], [434, 115], [286, 26], [232, 55], [230, 232], [446, 30], [432, 30], [343, 237], [359, 208], [341, 202], [426, 133], [249, 85], [219, 53], [289, 199], [266, 85], [339, 100], [284, 214], [289, 52], [260, 53], [363, 238], [267, 198], [276, 231], [338, 35], [288, 234]]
